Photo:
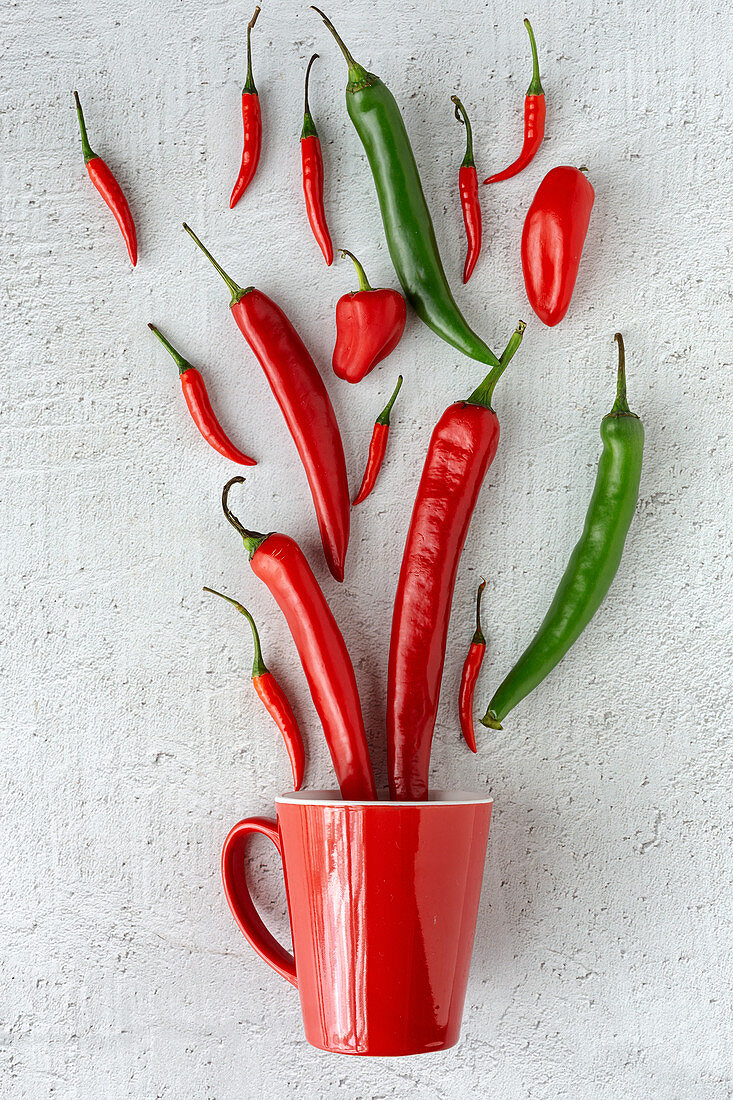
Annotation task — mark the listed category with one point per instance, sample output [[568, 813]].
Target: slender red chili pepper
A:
[[469, 676], [199, 406], [311, 156], [108, 187], [274, 698], [468, 190], [552, 241], [534, 118], [278, 561], [304, 402], [251, 126], [460, 452], [377, 447], [369, 325]]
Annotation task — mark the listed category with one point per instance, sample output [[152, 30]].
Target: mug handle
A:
[[234, 877]]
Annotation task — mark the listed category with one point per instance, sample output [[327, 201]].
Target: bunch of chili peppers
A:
[[370, 323]]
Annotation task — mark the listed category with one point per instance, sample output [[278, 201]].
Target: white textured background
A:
[[132, 739]]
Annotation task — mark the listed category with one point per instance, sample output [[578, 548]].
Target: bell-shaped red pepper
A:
[[369, 325], [552, 241]]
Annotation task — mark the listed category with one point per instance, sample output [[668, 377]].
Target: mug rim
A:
[[333, 798]]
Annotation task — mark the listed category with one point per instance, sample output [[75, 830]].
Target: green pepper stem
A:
[[249, 84], [309, 126], [236, 291], [535, 87], [86, 148], [363, 281], [259, 668], [182, 364], [621, 405], [383, 417], [462, 116], [251, 539], [484, 392], [358, 75], [478, 637]]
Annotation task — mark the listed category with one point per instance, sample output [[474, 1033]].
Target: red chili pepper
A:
[[369, 325], [552, 241], [108, 187], [312, 159], [274, 698], [468, 190], [278, 561], [377, 447], [199, 406], [469, 676], [251, 125], [460, 452], [305, 404], [534, 118]]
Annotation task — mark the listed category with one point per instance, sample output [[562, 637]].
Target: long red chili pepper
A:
[[377, 447], [534, 118], [369, 325], [278, 561], [199, 406], [273, 697], [469, 676], [108, 187], [460, 452], [311, 156], [552, 241], [468, 190], [304, 402], [251, 125]]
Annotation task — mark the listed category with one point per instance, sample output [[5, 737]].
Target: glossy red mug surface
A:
[[382, 899]]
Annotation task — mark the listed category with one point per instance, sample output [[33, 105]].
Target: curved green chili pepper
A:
[[408, 226], [594, 561]]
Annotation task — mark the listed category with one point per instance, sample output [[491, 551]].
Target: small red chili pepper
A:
[[369, 325], [552, 241], [377, 447], [312, 160], [469, 676], [468, 190], [108, 187], [274, 698], [251, 125], [304, 402], [278, 561], [534, 118], [199, 406]]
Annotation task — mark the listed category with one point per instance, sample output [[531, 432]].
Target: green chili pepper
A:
[[407, 222], [594, 561]]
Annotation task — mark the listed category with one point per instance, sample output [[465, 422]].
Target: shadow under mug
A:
[[382, 898]]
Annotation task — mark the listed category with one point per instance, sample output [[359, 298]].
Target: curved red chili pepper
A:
[[369, 325], [273, 697], [468, 190], [552, 241], [199, 406], [251, 126], [278, 561], [108, 187], [312, 160], [469, 676], [377, 447], [304, 402], [460, 452], [534, 118]]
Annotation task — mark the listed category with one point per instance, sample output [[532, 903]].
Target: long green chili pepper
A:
[[594, 561], [408, 226]]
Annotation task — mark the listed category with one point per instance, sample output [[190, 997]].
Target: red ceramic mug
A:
[[382, 898]]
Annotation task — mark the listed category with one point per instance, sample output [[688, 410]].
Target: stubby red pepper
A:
[[369, 325], [534, 118], [468, 190], [552, 241], [108, 187], [469, 676], [311, 156], [377, 447], [251, 126]]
